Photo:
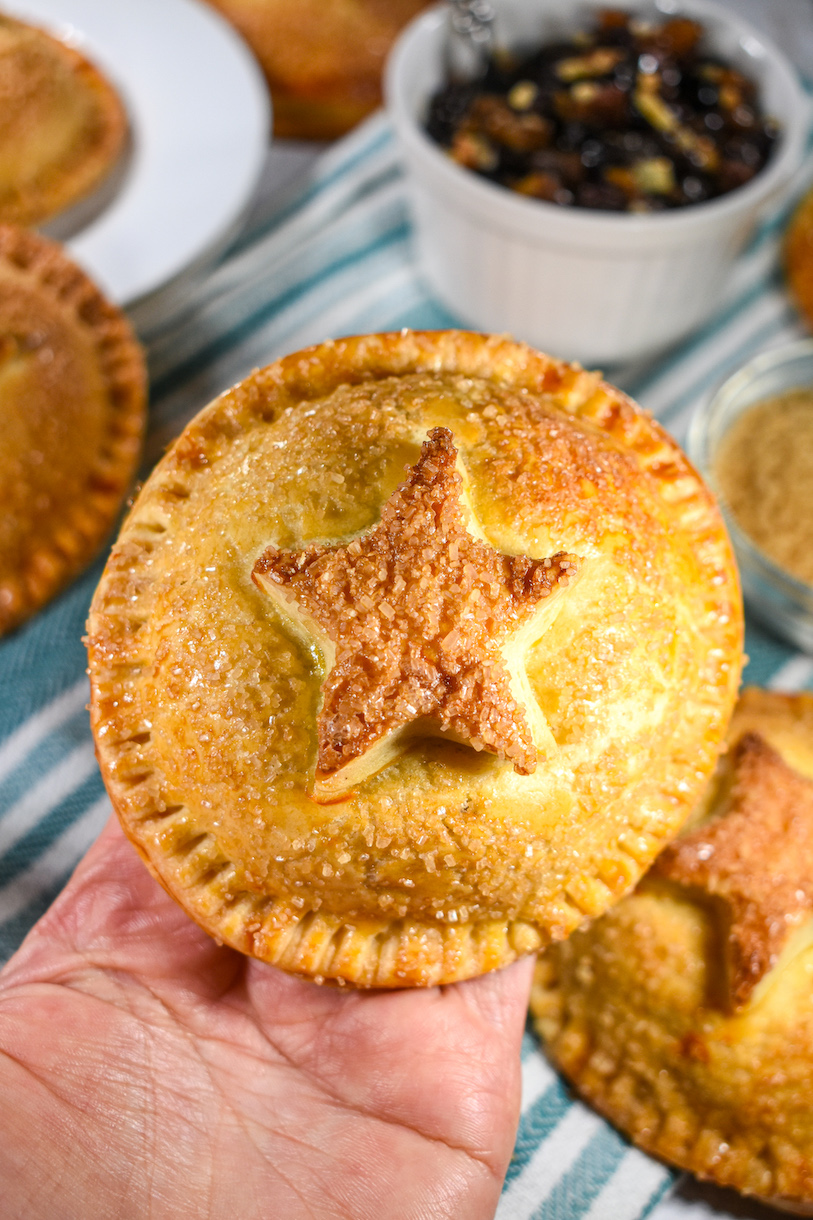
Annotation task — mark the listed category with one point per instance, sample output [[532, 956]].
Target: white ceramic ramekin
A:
[[585, 285]]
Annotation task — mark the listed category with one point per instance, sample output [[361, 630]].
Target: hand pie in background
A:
[[685, 1015], [72, 412], [322, 58], [799, 257], [413, 652], [62, 124]]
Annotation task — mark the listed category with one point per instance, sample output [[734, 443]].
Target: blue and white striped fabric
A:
[[335, 258]]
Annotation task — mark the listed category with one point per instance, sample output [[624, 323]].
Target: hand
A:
[[147, 1072]]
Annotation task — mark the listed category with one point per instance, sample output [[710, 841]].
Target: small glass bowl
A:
[[781, 601]]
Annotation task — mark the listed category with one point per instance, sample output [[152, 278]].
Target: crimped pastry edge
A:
[[635, 1110], [87, 521], [387, 952], [720, 1154]]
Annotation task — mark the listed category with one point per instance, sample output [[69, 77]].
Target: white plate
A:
[[199, 117]]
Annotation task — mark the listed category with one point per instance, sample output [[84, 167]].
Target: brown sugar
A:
[[765, 472], [414, 618]]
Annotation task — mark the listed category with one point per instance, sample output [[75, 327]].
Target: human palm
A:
[[145, 1071]]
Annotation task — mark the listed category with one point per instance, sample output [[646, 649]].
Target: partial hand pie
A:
[[322, 58], [62, 124], [799, 257], [72, 405], [685, 1014], [414, 651]]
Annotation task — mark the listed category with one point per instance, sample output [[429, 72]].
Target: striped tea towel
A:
[[336, 258]]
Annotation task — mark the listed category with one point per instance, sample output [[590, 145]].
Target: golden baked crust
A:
[[711, 1070], [755, 861], [448, 862], [62, 124], [799, 257], [322, 58], [73, 404], [416, 621]]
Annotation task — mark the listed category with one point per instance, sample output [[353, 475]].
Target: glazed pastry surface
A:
[[73, 405], [684, 1015], [448, 860], [62, 124]]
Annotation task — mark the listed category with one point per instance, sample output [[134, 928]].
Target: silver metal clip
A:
[[470, 39]]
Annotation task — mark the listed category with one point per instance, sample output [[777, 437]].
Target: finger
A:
[[111, 831], [113, 916], [501, 997], [444, 1062]]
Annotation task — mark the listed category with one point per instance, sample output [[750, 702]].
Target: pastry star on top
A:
[[756, 861], [423, 628]]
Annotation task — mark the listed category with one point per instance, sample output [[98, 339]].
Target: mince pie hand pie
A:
[[72, 411], [62, 125], [685, 1015], [798, 257], [322, 59], [412, 653]]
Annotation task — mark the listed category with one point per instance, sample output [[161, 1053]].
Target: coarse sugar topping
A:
[[416, 618], [437, 863]]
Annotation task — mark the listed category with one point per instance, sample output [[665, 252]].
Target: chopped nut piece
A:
[[701, 150], [523, 95], [598, 63], [654, 176], [584, 92], [655, 110], [438, 651], [756, 859]]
